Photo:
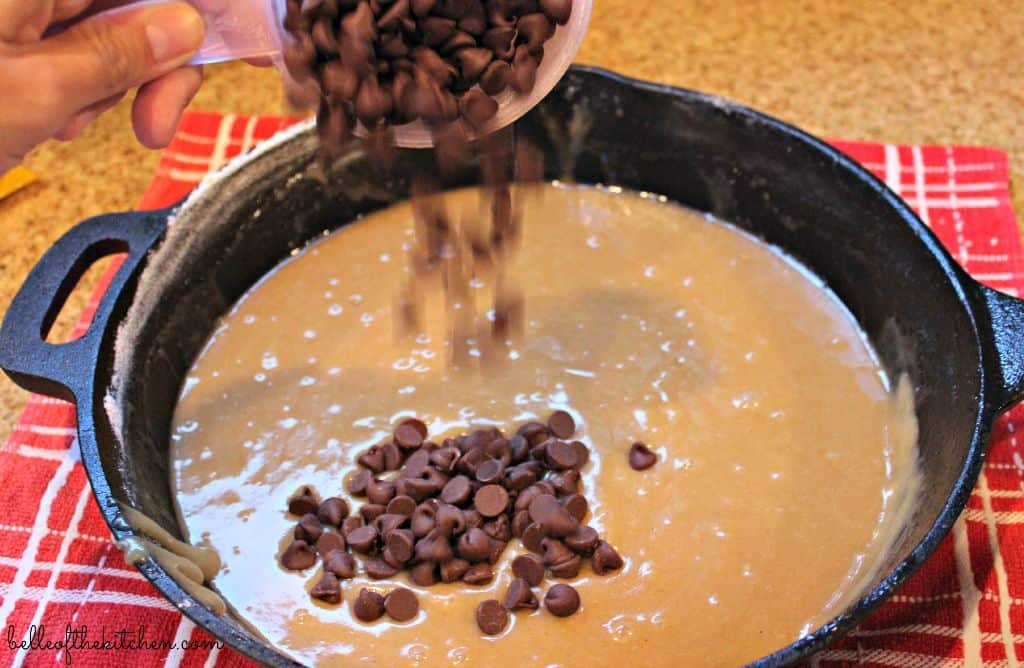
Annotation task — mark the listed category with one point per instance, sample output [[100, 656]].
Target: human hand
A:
[[62, 65]]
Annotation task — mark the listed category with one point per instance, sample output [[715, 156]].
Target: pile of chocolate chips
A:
[[446, 512], [391, 62]]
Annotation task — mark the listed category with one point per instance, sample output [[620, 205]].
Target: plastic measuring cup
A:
[[237, 29]]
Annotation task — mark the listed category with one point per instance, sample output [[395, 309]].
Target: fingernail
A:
[[173, 30]]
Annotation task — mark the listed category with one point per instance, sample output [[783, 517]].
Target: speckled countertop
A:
[[928, 71]]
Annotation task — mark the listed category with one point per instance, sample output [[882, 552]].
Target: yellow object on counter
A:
[[15, 180]]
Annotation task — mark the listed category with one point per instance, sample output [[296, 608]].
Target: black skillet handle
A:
[[62, 370], [1006, 316]]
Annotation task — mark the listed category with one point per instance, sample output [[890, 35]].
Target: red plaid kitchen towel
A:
[[58, 567]]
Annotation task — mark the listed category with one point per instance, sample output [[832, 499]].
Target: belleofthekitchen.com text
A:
[[74, 640]]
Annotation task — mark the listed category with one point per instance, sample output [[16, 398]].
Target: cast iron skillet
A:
[[955, 338]]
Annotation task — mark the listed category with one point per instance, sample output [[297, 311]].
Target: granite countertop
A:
[[929, 71]]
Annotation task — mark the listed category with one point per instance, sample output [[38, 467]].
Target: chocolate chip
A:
[[392, 18], [423, 520], [542, 507], [519, 596], [423, 574], [491, 500], [401, 505], [380, 491], [400, 543], [392, 455], [371, 511], [372, 459], [436, 30], [518, 479], [363, 539], [298, 556], [473, 518], [471, 460], [526, 496], [534, 432], [350, 524], [641, 457], [453, 570], [567, 569], [410, 433], [529, 568], [561, 424], [583, 540], [490, 471], [299, 57], [474, 545], [577, 506], [555, 552], [332, 511], [582, 453], [304, 502], [473, 61], [341, 564], [477, 107], [392, 560], [532, 536], [387, 522], [450, 520], [478, 575], [457, 491], [421, 8], [327, 589], [491, 617], [445, 458], [378, 569], [535, 29], [369, 606], [308, 529], [524, 70], [423, 489], [434, 547], [324, 37], [605, 559], [329, 541], [565, 482], [439, 71], [473, 21], [520, 521], [562, 600], [417, 464], [562, 455], [499, 528], [358, 483], [558, 11], [401, 604], [497, 549], [519, 447], [500, 41]]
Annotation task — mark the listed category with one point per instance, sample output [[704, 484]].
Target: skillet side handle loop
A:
[[62, 370], [1006, 316]]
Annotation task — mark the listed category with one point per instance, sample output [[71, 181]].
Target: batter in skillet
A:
[[785, 457]]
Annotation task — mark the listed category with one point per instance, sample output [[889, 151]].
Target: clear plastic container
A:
[[237, 29]]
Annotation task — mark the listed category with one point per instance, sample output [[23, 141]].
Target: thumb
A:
[[109, 53]]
